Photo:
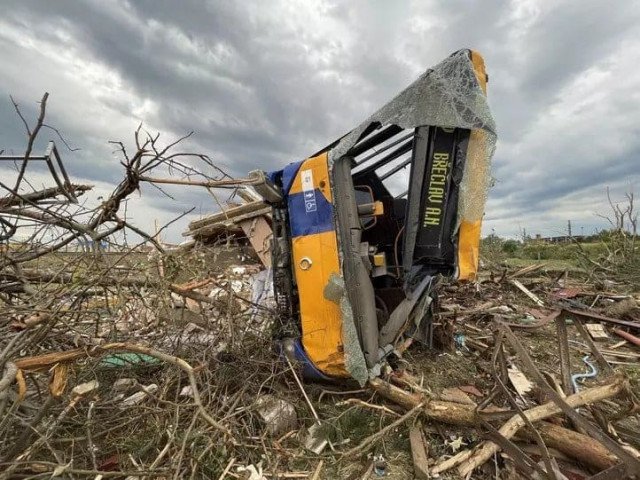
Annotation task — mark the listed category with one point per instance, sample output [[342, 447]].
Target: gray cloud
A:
[[265, 83]]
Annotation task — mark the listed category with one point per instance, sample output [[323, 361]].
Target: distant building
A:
[[561, 238]]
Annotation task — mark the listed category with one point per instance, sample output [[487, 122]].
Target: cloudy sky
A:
[[265, 83]]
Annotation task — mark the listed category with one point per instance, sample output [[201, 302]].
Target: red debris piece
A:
[[110, 464], [568, 292], [471, 390]]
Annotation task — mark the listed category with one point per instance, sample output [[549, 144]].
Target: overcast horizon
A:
[[262, 84]]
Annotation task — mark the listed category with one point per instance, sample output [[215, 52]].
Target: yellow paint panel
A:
[[468, 249], [315, 258], [321, 319], [379, 260], [469, 236], [479, 69], [318, 165]]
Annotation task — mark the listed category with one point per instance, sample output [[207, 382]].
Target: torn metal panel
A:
[[447, 95], [451, 96], [340, 214], [355, 362]]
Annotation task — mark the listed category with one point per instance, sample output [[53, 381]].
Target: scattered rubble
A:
[[517, 358], [278, 415], [131, 365]]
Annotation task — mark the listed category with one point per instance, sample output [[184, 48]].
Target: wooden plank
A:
[[527, 292], [230, 224], [592, 346], [519, 381], [259, 233], [528, 269], [563, 351], [215, 230], [597, 331], [226, 214], [419, 452]]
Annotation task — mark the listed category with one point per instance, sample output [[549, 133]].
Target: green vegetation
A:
[[613, 252]]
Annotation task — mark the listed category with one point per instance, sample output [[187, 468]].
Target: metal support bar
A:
[[402, 149], [600, 318], [396, 169], [565, 358], [51, 152], [375, 139], [383, 149]]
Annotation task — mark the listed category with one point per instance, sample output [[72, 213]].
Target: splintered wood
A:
[[589, 452], [251, 220], [597, 331], [419, 452], [519, 381], [259, 233], [527, 292]]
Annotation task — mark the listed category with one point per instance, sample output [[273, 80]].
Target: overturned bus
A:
[[364, 227]]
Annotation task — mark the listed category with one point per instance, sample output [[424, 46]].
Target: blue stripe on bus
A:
[[308, 221], [289, 175]]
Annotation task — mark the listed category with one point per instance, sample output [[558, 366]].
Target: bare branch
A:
[[32, 137]]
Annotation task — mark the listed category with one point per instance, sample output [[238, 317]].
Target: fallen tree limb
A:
[[449, 463], [573, 445], [369, 441], [580, 447], [45, 361], [41, 362], [44, 194], [485, 450], [105, 281], [632, 463]]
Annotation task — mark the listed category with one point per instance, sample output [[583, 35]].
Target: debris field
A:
[[149, 377], [158, 361]]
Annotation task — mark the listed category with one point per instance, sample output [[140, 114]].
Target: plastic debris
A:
[[124, 384], [579, 376], [138, 397], [127, 359], [186, 391], [278, 415], [460, 340], [85, 388], [314, 442], [251, 472], [379, 466]]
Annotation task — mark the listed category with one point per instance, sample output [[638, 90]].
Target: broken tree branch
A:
[[486, 449], [593, 453], [369, 441], [32, 136], [45, 361]]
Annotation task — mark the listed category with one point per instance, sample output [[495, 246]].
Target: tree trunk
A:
[[582, 448]]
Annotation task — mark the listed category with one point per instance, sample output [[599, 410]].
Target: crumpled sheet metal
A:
[[353, 357]]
